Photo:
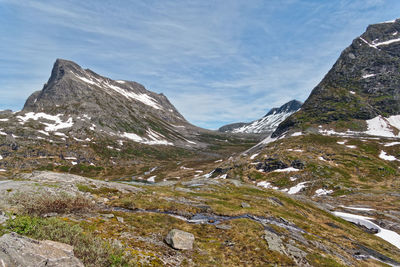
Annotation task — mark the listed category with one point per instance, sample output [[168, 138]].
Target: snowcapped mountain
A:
[[77, 103], [363, 84], [266, 124]]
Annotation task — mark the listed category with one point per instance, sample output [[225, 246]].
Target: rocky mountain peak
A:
[[290, 106], [362, 84], [102, 105], [266, 124]]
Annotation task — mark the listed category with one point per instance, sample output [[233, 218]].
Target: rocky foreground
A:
[[203, 221]]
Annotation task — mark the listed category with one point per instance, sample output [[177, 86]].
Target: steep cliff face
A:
[[363, 83]]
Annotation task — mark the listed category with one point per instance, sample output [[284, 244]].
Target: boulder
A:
[[245, 205], [274, 242], [179, 239], [17, 250]]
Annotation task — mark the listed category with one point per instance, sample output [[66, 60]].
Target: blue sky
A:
[[218, 61]]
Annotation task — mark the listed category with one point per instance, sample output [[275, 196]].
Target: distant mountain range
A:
[[268, 123]]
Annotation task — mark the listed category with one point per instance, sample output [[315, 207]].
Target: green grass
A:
[[92, 251]]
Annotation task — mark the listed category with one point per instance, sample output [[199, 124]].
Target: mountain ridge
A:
[[363, 83], [268, 123]]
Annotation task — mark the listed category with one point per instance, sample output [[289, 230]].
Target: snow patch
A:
[[155, 138], [57, 125], [357, 208], [295, 189], [295, 150], [387, 235], [289, 169], [254, 156], [380, 126], [267, 185], [365, 76], [60, 134], [297, 134], [322, 192], [392, 144], [376, 45], [105, 84], [265, 124], [184, 168], [385, 156], [152, 179]]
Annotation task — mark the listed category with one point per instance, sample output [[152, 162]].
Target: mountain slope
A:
[[363, 84], [266, 124], [117, 108], [81, 121]]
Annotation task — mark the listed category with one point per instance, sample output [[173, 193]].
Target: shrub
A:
[[41, 203]]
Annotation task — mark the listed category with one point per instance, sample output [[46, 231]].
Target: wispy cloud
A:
[[217, 61]]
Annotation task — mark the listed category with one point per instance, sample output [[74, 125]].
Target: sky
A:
[[217, 61]]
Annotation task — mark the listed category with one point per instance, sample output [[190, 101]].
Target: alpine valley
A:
[[106, 173]]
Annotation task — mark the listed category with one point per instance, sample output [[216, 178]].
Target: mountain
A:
[[313, 196], [363, 84], [90, 102], [266, 124], [81, 119]]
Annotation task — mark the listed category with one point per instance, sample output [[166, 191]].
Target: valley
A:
[[116, 172]]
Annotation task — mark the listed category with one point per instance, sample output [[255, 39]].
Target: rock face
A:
[[266, 124], [16, 250], [363, 83], [275, 243], [179, 239]]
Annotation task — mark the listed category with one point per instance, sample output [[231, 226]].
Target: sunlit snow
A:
[[322, 192], [289, 169], [50, 127], [297, 188], [385, 156], [390, 236]]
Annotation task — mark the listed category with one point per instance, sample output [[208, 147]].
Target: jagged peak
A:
[[290, 106]]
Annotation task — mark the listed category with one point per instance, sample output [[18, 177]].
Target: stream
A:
[[214, 219]]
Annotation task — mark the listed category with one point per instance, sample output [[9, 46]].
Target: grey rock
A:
[[179, 239], [17, 250], [274, 242], [120, 219], [3, 217], [223, 226], [108, 216], [245, 205]]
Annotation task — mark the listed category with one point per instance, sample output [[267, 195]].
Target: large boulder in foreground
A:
[[179, 239], [17, 250]]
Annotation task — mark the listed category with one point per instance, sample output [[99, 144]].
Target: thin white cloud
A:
[[221, 60]]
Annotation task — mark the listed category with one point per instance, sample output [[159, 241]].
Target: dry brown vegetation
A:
[[41, 203]]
